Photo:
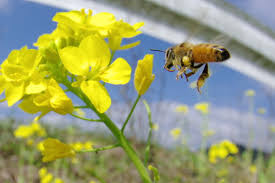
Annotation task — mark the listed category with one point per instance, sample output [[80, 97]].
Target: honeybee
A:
[[190, 57]]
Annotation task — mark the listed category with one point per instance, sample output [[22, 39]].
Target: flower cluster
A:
[[77, 56], [221, 150], [27, 131], [46, 177]]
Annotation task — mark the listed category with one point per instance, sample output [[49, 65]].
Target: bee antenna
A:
[[157, 50]]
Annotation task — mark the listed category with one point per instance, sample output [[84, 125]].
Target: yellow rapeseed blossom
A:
[[79, 112], [88, 145], [54, 149], [120, 30], [78, 146], [92, 66], [58, 180], [47, 178], [155, 127], [272, 128], [253, 169], [208, 133], [18, 72], [232, 148], [25, 131], [261, 110], [43, 172], [53, 99], [203, 107], [175, 133], [143, 74], [221, 150], [182, 108], [249, 93]]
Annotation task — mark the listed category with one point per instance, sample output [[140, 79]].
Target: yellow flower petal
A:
[[23, 131], [59, 100], [130, 45], [249, 93], [182, 108], [119, 72], [97, 50], [74, 60], [102, 19], [14, 92], [54, 149], [97, 94], [143, 74], [203, 107], [175, 133]]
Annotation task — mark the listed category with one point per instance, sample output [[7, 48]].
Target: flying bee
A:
[[187, 58]]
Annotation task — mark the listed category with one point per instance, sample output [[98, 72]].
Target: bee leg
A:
[[204, 75], [187, 75], [181, 71]]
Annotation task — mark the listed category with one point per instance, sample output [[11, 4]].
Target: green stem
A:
[[130, 114], [86, 119], [101, 148], [148, 145], [117, 133]]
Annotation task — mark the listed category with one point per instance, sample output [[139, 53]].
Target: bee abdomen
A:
[[203, 53]]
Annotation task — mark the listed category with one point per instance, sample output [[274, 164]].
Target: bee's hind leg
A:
[[204, 75], [194, 70]]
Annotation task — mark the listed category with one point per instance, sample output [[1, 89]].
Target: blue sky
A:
[[22, 22]]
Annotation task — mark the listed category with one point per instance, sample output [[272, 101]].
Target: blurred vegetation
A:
[[20, 161]]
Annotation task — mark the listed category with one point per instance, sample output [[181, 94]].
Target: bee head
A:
[[169, 57]]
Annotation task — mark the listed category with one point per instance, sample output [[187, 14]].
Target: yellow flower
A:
[[249, 93], [54, 149], [79, 112], [24, 131], [19, 75], [120, 30], [221, 150], [182, 108], [208, 133], [58, 180], [175, 133], [83, 23], [78, 146], [53, 99], [232, 148], [272, 129], [88, 145], [253, 169], [43, 172], [92, 181], [155, 127], [90, 62], [261, 110], [203, 107], [143, 74], [47, 178]]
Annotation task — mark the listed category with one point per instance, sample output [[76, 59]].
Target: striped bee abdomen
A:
[[203, 53]]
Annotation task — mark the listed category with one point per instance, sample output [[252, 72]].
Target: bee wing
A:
[[221, 39]]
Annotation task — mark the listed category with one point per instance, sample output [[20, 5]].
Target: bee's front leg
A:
[[182, 71]]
